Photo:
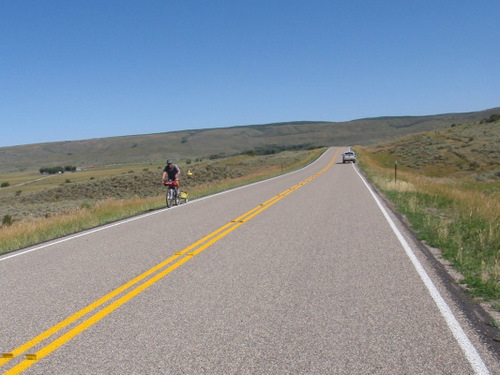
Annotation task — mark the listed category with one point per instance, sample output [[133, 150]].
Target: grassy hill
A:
[[191, 144], [466, 152]]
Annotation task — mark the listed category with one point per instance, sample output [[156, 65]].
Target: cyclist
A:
[[172, 170], [171, 173]]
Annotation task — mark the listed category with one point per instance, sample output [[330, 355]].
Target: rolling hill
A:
[[232, 140]]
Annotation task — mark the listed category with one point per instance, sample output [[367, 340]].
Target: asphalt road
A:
[[302, 274]]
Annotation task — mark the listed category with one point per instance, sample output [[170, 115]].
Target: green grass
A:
[[465, 239]]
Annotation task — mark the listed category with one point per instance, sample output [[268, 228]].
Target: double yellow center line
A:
[[148, 278]]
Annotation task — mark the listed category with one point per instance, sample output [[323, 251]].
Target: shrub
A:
[[7, 220], [86, 205], [492, 118], [5, 184], [51, 170]]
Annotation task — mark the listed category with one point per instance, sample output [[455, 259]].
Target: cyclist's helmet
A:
[[170, 161]]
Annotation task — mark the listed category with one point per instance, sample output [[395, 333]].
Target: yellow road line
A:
[[29, 344], [209, 240]]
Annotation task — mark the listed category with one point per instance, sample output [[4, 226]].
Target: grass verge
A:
[[452, 214]]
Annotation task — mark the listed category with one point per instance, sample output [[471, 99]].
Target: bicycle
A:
[[173, 195]]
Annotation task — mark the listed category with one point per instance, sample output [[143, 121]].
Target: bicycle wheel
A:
[[177, 197], [170, 197]]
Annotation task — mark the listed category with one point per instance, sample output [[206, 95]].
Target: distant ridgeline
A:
[[219, 142]]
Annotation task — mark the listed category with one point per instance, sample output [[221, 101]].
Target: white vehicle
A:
[[349, 156]]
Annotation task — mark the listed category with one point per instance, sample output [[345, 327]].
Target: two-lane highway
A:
[[306, 273]]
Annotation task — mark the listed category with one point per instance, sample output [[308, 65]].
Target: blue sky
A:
[[74, 70]]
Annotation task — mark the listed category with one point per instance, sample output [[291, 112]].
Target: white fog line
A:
[[86, 233], [468, 348]]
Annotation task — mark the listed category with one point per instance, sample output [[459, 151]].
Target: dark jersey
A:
[[172, 171]]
